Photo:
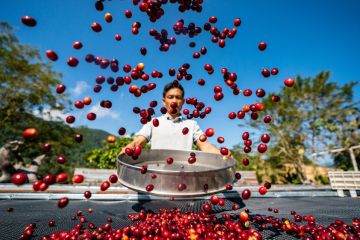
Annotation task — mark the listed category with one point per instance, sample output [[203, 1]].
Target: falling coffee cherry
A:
[[63, 202], [214, 199], [28, 21], [202, 138], [185, 130], [70, 119], [10, 209], [224, 151], [79, 104], [60, 88], [117, 37], [267, 185], [275, 98], [78, 137], [122, 131], [111, 139], [77, 45], [246, 194], [61, 159], [262, 190], [212, 19], [128, 151], [245, 161], [209, 132], [113, 178], [262, 148], [289, 82], [19, 178], [267, 119], [137, 150], [169, 160], [87, 101], [143, 51], [78, 178], [265, 138], [265, 72], [274, 71], [262, 46], [87, 194], [149, 187], [181, 187], [61, 178], [30, 133], [128, 13], [49, 179], [91, 116], [72, 61], [51, 223], [51, 55], [99, 5], [46, 147], [222, 43], [191, 159], [104, 185], [237, 22], [96, 27], [206, 207], [108, 17]]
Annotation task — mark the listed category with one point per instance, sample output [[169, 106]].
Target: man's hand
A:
[[130, 145], [229, 155], [208, 147], [138, 140]]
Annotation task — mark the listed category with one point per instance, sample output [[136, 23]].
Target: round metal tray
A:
[[209, 169]]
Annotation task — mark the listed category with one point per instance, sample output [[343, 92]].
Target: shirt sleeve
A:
[[145, 131], [197, 132]]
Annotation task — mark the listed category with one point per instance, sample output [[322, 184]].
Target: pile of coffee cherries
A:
[[175, 224]]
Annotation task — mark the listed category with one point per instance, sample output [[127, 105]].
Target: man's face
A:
[[173, 95]]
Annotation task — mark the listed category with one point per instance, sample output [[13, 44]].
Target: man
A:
[[169, 134]]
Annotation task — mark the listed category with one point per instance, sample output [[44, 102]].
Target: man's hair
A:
[[173, 84]]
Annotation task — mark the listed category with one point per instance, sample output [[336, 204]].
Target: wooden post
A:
[[353, 159]]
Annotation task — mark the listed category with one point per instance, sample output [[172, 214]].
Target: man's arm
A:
[[138, 140], [208, 147]]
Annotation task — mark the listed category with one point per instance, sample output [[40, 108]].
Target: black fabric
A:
[[325, 209]]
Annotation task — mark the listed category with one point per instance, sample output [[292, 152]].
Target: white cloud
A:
[[51, 115], [81, 86], [103, 112]]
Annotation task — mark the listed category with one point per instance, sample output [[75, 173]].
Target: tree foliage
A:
[[26, 85], [314, 115]]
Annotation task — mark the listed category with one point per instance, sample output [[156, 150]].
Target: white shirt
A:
[[168, 135]]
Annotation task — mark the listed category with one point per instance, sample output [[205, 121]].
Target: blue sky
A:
[[303, 37]]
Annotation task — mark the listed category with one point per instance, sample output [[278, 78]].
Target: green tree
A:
[[27, 85], [313, 115]]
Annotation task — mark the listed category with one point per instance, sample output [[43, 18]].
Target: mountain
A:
[[92, 138]]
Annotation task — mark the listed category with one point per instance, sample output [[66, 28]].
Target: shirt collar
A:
[[177, 119]]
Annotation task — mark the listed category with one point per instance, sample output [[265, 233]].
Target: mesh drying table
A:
[[325, 209]]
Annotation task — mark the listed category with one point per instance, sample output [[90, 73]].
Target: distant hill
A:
[[92, 138]]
